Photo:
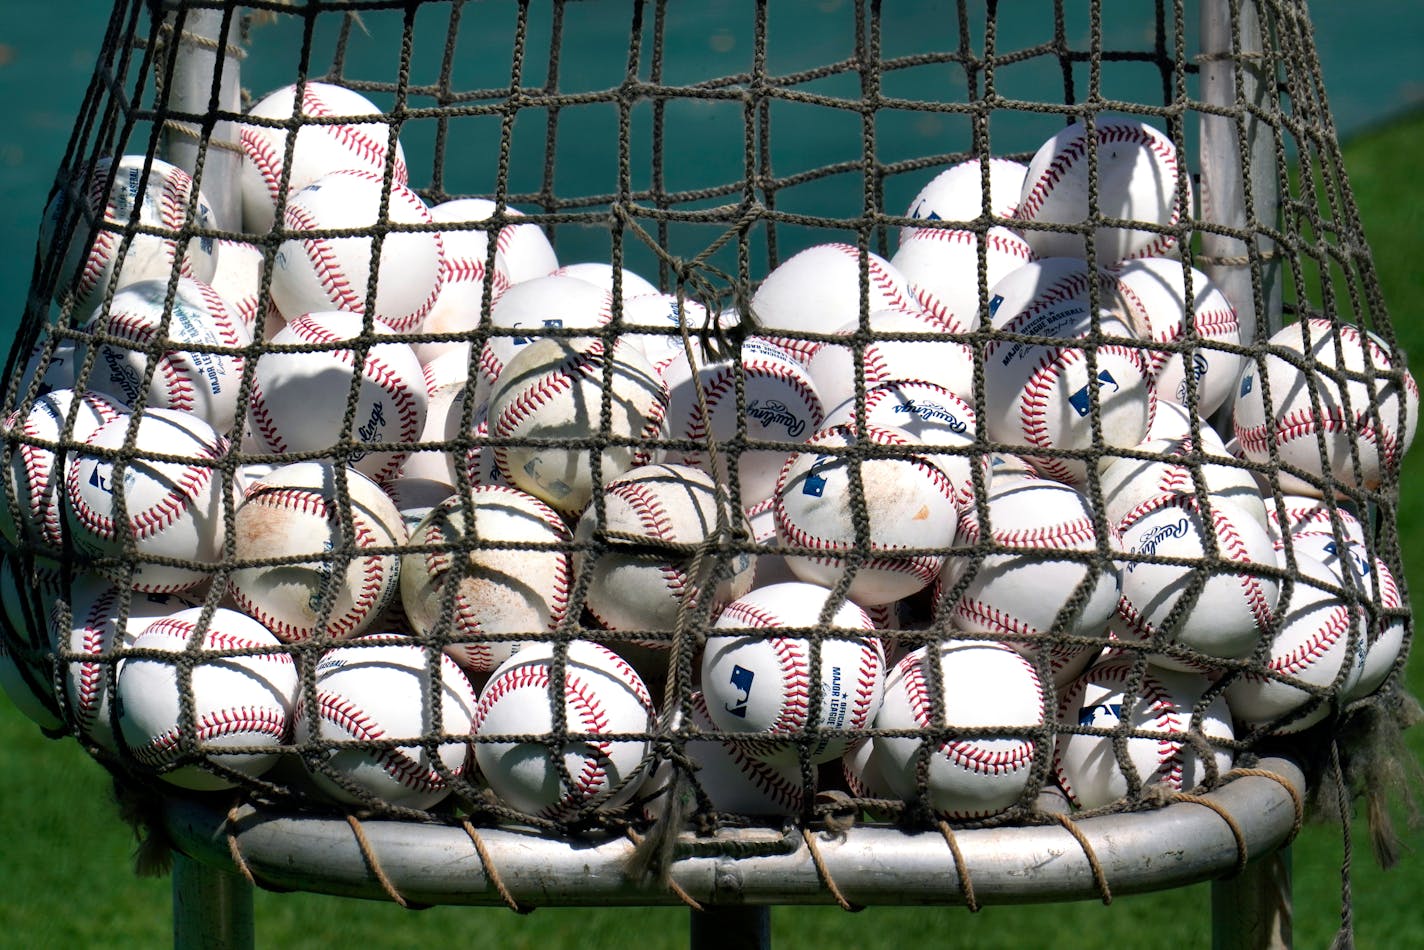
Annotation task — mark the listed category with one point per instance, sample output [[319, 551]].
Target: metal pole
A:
[[205, 56], [731, 928], [1252, 910], [212, 909], [1223, 177]]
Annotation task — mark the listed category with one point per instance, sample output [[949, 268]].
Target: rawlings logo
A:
[[741, 679], [774, 412], [374, 426], [323, 571], [1152, 539], [122, 375], [933, 412]]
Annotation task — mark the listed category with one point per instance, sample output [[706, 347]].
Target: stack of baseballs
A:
[[441, 514]]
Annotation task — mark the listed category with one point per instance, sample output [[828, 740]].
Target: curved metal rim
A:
[[1182, 843]]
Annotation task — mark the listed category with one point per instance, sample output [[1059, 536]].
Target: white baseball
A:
[[319, 149], [603, 275], [305, 563], [760, 684], [378, 689], [1139, 179], [499, 591], [468, 287], [1040, 396], [549, 399], [957, 193], [1305, 514], [1381, 612], [522, 251], [732, 781], [314, 273], [523, 313], [196, 344], [1179, 743], [982, 686], [1131, 487], [1344, 417], [1021, 592], [602, 695], [238, 280], [26, 668], [31, 513], [674, 508], [1316, 645], [1153, 292], [104, 619], [172, 497], [940, 420], [163, 194], [819, 289], [239, 702], [302, 385], [1233, 601], [904, 345], [942, 266], [779, 405], [656, 322], [909, 505]]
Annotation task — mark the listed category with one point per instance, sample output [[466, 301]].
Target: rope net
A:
[[615, 416]]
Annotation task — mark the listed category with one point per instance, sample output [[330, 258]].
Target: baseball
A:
[[908, 506], [521, 253], [467, 285], [650, 540], [240, 703], [318, 150], [942, 422], [1041, 396], [1370, 418], [602, 695], [315, 273], [730, 780], [238, 280], [957, 194], [378, 689], [550, 399], [104, 619], [302, 387], [166, 200], [1133, 486], [196, 344], [779, 404], [1139, 179], [306, 563], [525, 311], [759, 687], [499, 592], [1305, 514], [904, 345], [1179, 742], [620, 281], [1232, 599], [984, 689], [31, 515], [1316, 646], [134, 510], [942, 266], [1153, 293], [1024, 588], [819, 289]]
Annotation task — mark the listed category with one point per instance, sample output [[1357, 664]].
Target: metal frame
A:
[[1180, 844]]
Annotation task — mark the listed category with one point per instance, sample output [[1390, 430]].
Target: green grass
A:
[[65, 870]]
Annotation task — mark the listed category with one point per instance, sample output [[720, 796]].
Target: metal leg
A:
[[1253, 910], [212, 909], [731, 928]]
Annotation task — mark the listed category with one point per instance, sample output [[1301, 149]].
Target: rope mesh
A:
[[758, 169]]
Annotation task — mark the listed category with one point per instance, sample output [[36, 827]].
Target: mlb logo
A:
[[994, 302], [555, 322], [741, 678], [1081, 401], [1248, 383], [815, 484]]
